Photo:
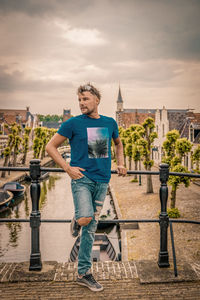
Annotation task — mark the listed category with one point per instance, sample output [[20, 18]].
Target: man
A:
[[90, 136]]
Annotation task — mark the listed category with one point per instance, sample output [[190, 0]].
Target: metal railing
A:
[[35, 217]]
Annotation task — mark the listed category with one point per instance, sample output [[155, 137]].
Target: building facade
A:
[[184, 120]]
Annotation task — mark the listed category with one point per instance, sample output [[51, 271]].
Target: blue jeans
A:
[[88, 199]]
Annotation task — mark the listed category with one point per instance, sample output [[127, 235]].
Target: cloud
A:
[[49, 47], [84, 37]]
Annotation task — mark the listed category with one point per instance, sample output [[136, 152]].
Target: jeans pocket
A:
[[78, 179]]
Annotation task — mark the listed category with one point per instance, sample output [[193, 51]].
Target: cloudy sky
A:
[[49, 47]]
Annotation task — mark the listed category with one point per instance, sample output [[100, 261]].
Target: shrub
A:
[[133, 180], [173, 213]]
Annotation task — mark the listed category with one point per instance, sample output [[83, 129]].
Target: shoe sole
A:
[[92, 289]]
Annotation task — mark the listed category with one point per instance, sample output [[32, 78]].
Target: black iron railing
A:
[[35, 218]]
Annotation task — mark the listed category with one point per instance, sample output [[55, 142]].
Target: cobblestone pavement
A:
[[124, 289], [121, 280]]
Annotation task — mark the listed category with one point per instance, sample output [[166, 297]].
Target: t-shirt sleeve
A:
[[115, 130], [66, 129]]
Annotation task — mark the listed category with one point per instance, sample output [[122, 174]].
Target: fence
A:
[[35, 218]]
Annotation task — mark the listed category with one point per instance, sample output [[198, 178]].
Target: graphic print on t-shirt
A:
[[98, 138]]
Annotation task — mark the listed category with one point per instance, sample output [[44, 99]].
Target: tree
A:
[[196, 157], [6, 154], [146, 143], [42, 136], [128, 145], [175, 181], [137, 133], [37, 142], [25, 143], [123, 139], [183, 146], [175, 149], [13, 144], [169, 146]]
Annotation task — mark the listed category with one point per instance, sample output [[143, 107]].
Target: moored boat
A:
[[102, 250], [15, 187], [5, 199]]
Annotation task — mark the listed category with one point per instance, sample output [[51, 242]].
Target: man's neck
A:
[[94, 116]]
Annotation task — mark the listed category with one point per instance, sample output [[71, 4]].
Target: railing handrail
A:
[[131, 172]]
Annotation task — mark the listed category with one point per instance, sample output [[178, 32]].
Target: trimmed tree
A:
[[175, 149], [137, 133], [146, 143], [196, 157], [25, 143], [175, 181]]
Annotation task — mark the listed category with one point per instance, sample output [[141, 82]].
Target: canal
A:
[[55, 239]]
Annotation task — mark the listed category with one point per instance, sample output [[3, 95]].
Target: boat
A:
[[15, 187], [102, 250], [5, 200]]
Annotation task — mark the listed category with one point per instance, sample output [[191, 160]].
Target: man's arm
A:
[[51, 148], [120, 157]]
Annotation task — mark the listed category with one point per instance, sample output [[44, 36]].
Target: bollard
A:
[[163, 260], [35, 258]]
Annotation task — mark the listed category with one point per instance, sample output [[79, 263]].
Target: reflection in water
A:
[[26, 206], [15, 228]]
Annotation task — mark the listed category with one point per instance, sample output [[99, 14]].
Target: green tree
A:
[[37, 142], [146, 143], [42, 136], [196, 157], [128, 146], [175, 149], [123, 140], [50, 118], [137, 133], [175, 181], [25, 143], [183, 146], [6, 154]]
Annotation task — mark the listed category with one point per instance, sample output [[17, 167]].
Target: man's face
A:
[[88, 103]]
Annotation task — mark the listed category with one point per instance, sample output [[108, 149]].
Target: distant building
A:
[[66, 114], [22, 117], [184, 120]]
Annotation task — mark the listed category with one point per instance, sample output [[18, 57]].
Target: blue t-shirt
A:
[[90, 141]]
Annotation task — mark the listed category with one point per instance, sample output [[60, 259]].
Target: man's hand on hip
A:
[[121, 170], [75, 172]]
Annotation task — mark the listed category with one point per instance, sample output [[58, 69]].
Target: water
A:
[[55, 239]]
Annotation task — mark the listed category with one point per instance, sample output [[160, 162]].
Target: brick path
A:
[[126, 289], [121, 280]]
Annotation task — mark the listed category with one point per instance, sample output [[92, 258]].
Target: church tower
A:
[[119, 112], [119, 101]]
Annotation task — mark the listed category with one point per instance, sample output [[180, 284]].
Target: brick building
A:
[[184, 120], [23, 117], [66, 114]]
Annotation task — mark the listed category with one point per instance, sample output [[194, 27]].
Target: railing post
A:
[[163, 260], [140, 181], [35, 258]]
